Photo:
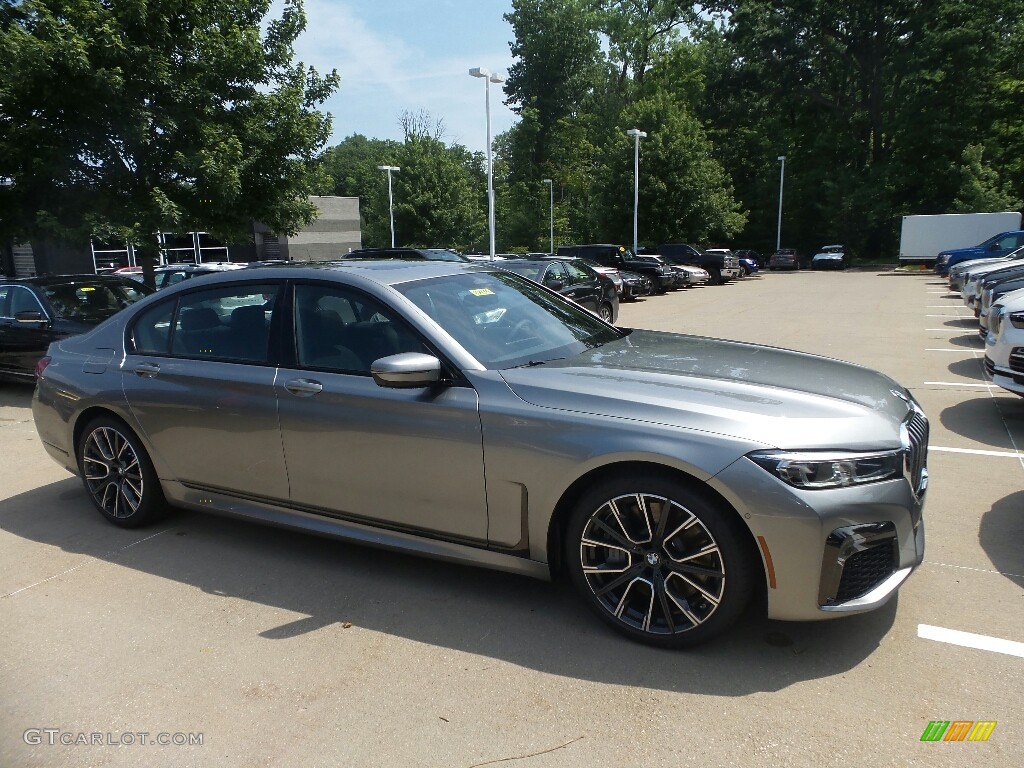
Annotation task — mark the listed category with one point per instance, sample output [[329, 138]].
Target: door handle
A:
[[304, 387], [147, 370]]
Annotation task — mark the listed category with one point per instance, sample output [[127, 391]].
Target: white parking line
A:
[[947, 349], [89, 561], [954, 317], [959, 384], [976, 570], [977, 452], [970, 640]]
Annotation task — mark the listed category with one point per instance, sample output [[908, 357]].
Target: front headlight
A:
[[814, 471], [1016, 319]]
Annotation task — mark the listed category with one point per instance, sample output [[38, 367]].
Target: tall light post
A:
[[637, 135], [782, 178], [551, 190], [391, 199], [488, 79]]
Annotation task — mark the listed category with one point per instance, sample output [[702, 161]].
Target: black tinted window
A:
[[230, 323], [342, 330], [151, 334]]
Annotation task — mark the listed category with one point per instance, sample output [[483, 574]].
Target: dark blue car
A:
[[994, 247]]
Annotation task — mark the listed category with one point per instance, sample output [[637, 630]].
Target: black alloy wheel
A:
[[658, 561], [118, 474]]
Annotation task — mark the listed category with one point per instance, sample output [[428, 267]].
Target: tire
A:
[[605, 312], [644, 578], [118, 475], [716, 276]]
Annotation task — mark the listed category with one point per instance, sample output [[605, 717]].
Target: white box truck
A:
[[922, 237]]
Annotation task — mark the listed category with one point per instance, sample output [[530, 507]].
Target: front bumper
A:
[[828, 552]]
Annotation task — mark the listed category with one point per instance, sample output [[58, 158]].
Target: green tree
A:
[[132, 117], [980, 188], [684, 192], [440, 191]]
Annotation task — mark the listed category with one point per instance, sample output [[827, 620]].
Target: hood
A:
[[771, 397]]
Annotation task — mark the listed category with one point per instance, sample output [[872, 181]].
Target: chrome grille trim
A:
[[917, 450]]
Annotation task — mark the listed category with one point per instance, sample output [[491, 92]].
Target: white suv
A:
[[1004, 344]]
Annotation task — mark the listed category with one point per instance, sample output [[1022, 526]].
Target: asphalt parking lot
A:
[[276, 648]]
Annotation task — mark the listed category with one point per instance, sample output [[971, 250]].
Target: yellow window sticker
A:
[[481, 291], [86, 288]]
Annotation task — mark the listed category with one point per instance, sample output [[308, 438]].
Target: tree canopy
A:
[[129, 118], [163, 114]]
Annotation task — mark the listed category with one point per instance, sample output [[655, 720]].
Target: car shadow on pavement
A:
[[981, 419], [530, 623], [968, 340], [1001, 535], [969, 368], [16, 394]]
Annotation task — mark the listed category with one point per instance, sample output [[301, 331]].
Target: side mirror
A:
[[994, 247], [554, 284], [408, 370], [30, 317]]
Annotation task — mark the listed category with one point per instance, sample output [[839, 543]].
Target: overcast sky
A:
[[398, 55]]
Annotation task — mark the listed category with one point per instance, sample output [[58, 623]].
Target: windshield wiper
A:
[[535, 363]]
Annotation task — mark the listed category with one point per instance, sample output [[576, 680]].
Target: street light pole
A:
[[637, 135], [391, 199], [782, 178], [488, 79], [551, 189]]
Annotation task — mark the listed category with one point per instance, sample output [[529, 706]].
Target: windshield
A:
[[504, 320], [92, 302]]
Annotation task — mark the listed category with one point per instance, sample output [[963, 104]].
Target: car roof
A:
[[399, 253], [382, 271]]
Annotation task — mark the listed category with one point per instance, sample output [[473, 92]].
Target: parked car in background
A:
[[959, 273], [1004, 344], [998, 245], [747, 253], [784, 258], [169, 274], [721, 266], [675, 279], [749, 265], [829, 257], [694, 276], [629, 285], [407, 254], [974, 280], [36, 311], [574, 280], [463, 412], [622, 258], [995, 293]]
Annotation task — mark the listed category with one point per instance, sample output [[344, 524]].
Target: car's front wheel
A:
[[118, 474], [660, 562], [605, 312]]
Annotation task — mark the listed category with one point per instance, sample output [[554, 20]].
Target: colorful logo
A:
[[958, 730]]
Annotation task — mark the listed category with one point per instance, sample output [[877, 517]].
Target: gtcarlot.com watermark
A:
[[59, 737]]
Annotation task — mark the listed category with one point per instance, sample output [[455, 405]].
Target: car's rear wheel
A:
[[118, 474], [658, 561]]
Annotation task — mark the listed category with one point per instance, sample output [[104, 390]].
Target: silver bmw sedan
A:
[[465, 413]]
